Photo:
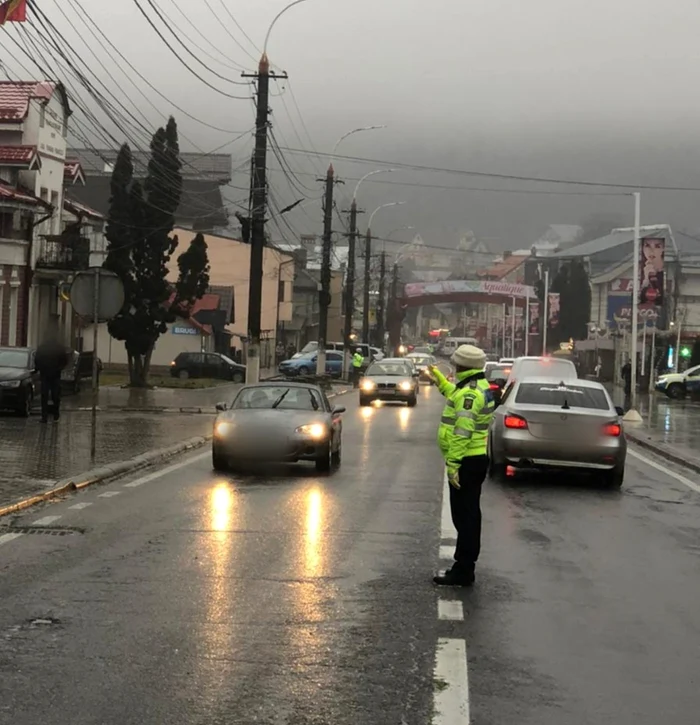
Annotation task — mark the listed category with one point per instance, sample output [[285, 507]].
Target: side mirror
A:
[[221, 407], [339, 409], [620, 411]]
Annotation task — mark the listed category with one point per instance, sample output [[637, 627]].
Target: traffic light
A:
[[685, 351]]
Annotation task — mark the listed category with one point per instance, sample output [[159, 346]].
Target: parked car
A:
[[550, 424], [278, 421], [678, 385], [207, 365], [19, 380], [391, 379], [368, 353], [306, 364]]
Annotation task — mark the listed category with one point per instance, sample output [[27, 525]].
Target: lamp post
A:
[[632, 414]]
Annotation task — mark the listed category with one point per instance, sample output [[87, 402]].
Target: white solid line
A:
[[165, 471], [79, 506], [46, 520], [681, 479], [447, 552], [109, 494], [446, 527], [451, 687], [8, 537], [450, 609]]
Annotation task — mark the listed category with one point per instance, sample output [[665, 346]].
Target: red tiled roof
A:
[[18, 196], [501, 269], [73, 172], [208, 302], [16, 95], [23, 156]]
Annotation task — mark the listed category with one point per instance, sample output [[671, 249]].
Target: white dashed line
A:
[[79, 506], [165, 471], [109, 494], [8, 537], [447, 551], [134, 484], [681, 479], [46, 521], [451, 687], [450, 609]]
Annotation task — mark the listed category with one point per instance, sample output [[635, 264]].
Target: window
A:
[[280, 291], [42, 116], [562, 396]]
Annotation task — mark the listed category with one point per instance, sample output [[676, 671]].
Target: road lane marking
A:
[[109, 494], [46, 521], [165, 471], [451, 683], [681, 479], [134, 484], [447, 529], [79, 506], [8, 537], [447, 551], [451, 610]]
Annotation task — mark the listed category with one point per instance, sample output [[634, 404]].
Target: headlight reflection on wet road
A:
[[221, 507], [404, 418], [314, 517]]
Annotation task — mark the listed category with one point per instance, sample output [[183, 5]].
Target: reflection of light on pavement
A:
[[378, 403], [314, 510], [367, 412], [404, 418], [221, 505]]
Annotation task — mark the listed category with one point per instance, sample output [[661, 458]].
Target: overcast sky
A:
[[598, 90]]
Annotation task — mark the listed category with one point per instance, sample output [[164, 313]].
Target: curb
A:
[[112, 470], [664, 451], [104, 473]]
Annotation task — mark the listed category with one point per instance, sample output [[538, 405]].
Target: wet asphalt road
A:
[[299, 599]]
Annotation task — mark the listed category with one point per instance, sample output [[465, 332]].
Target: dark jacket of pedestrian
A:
[[51, 358], [627, 377]]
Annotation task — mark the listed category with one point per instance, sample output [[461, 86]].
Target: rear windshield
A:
[[546, 368], [498, 372], [573, 396]]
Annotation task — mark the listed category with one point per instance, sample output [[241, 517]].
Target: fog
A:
[[602, 90]]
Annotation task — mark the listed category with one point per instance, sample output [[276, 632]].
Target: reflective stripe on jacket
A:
[[357, 360], [466, 417]]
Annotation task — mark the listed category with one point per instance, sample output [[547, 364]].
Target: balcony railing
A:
[[66, 252]]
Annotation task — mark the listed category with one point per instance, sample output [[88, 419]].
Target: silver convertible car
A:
[[278, 422], [545, 423]]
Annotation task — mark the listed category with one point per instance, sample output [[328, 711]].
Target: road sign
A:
[[110, 294]]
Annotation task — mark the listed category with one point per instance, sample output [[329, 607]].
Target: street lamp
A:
[[350, 133], [276, 18], [368, 255]]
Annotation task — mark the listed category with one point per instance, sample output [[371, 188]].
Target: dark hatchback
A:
[[19, 381], [207, 365]]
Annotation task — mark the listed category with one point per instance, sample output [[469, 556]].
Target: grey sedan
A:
[[278, 422], [391, 379], [545, 423]]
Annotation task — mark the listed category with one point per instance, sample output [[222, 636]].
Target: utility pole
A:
[[350, 287], [381, 307], [324, 296], [395, 324], [258, 210], [365, 299]]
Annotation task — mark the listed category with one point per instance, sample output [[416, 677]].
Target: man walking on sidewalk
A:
[[51, 359]]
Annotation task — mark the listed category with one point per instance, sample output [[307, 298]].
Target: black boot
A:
[[455, 578]]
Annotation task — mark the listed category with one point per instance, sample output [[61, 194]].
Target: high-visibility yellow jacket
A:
[[357, 360], [466, 417]]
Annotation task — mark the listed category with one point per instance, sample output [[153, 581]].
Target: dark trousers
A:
[[356, 375], [50, 386], [466, 511]]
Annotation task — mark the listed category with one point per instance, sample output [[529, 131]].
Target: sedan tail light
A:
[[493, 386], [612, 429], [515, 421]]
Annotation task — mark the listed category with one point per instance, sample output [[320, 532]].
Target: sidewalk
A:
[[670, 428]]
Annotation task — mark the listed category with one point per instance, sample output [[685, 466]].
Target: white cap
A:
[[470, 357]]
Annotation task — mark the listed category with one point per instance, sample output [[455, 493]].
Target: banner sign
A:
[[553, 310], [534, 318], [651, 271], [437, 289], [620, 312]]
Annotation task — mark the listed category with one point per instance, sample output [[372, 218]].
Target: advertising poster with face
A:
[[651, 271], [534, 318], [554, 309]]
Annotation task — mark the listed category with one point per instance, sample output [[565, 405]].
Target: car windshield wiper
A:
[[281, 398], [314, 404]]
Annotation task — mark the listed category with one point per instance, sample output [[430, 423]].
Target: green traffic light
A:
[[685, 352]]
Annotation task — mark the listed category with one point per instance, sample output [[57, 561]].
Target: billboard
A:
[[554, 301], [620, 312], [534, 318], [651, 271], [426, 289]]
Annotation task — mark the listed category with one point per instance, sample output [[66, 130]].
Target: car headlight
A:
[[368, 385], [313, 430], [10, 384], [402, 349], [405, 385], [222, 428]]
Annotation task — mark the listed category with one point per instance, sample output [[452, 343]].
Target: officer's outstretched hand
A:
[[453, 477], [432, 369]]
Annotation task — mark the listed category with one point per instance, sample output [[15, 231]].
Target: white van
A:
[[452, 343]]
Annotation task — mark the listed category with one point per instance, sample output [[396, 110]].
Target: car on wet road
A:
[[390, 380], [207, 365], [550, 424], [278, 422], [678, 385], [305, 364], [496, 375], [421, 362], [19, 380]]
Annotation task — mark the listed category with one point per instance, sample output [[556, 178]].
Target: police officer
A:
[[357, 363], [462, 437]]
